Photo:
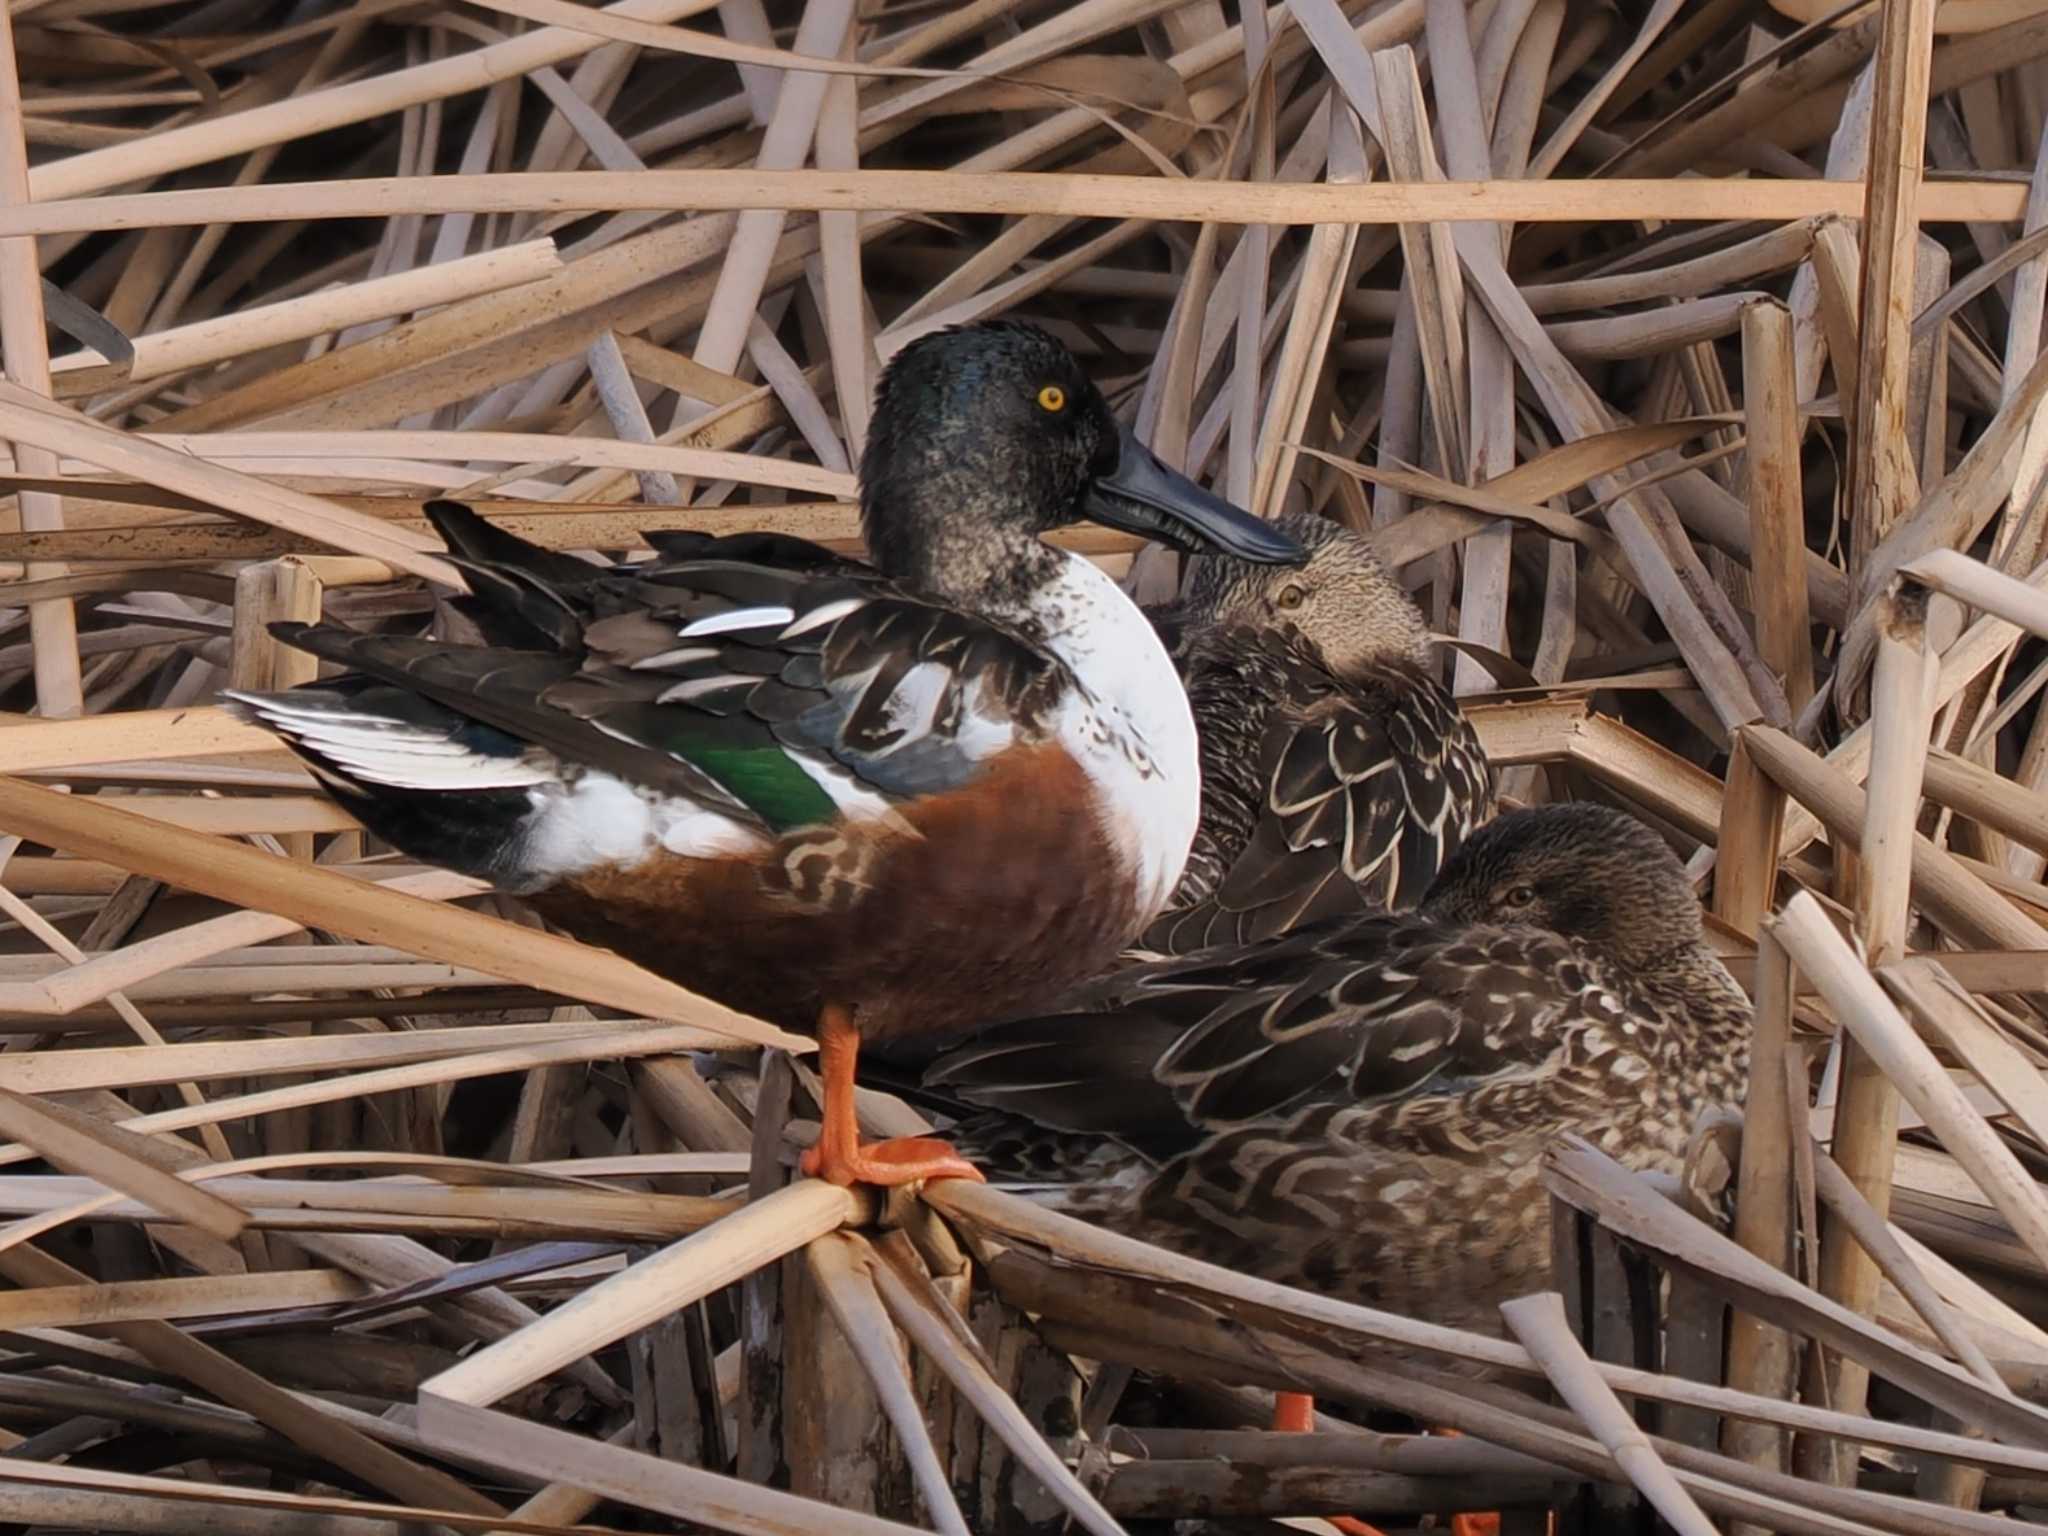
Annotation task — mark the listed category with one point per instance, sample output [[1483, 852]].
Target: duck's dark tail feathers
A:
[[476, 540], [520, 596]]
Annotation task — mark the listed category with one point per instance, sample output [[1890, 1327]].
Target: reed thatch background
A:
[[1701, 399]]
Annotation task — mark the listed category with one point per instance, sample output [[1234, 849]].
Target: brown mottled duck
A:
[[1337, 773], [1361, 1108]]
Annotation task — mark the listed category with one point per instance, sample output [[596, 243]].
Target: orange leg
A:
[[1294, 1413], [839, 1155]]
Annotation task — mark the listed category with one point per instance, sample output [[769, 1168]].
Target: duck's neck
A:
[[929, 524], [1694, 978]]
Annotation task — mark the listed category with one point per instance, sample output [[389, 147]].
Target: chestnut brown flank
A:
[[1009, 892]]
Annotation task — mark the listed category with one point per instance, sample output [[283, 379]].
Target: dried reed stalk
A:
[[655, 292]]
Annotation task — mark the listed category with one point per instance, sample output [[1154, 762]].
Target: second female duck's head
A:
[[985, 437], [1342, 604], [1586, 871]]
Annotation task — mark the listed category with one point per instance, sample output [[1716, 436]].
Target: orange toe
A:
[[904, 1160]]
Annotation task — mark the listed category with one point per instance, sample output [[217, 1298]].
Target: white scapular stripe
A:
[[738, 618], [675, 658], [823, 614]]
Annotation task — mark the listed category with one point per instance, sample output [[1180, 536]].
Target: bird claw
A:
[[902, 1160]]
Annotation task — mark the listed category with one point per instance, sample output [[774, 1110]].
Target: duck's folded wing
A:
[[1085, 1074], [1364, 796], [1095, 1067], [1356, 1012], [513, 693], [799, 680], [778, 698], [876, 695], [1390, 1009]]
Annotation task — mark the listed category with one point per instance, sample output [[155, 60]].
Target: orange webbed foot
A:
[[904, 1160]]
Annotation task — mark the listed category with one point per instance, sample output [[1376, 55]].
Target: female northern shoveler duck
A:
[[1362, 1108], [1337, 774], [862, 802]]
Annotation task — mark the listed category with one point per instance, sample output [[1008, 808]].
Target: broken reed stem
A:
[[280, 122], [1955, 1021], [1761, 1358], [79, 1143], [1746, 853], [1777, 504], [706, 1261], [266, 592], [1913, 1070], [918, 1316], [251, 330], [1846, 1203], [1068, 194], [843, 1267], [1637, 1211], [1867, 1101], [1883, 482], [482, 1436], [305, 1424], [1950, 894], [1981, 586], [1902, 704], [1539, 1322]]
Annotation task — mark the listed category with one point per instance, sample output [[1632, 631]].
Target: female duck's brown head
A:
[[1585, 871], [1342, 604]]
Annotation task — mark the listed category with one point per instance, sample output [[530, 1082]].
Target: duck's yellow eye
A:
[[1052, 398]]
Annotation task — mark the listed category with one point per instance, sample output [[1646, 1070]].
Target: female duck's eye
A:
[[1052, 398], [1521, 896], [1293, 595]]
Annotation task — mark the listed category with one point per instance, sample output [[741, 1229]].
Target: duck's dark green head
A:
[[1587, 871], [985, 433]]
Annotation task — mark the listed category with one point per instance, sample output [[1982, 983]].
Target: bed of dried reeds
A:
[[1688, 360]]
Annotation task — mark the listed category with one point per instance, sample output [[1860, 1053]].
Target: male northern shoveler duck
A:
[[1361, 1108], [1337, 773], [860, 802]]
